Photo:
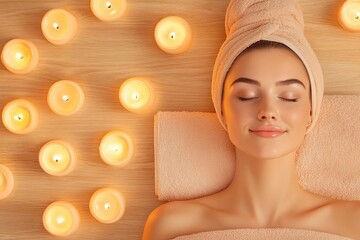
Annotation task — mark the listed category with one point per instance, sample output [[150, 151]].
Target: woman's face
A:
[[266, 103]]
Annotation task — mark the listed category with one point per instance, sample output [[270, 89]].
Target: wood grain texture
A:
[[100, 58]]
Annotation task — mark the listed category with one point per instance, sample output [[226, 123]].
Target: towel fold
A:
[[263, 234], [194, 156]]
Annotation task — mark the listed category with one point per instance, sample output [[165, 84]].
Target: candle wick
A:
[[19, 56], [56, 26], [65, 98], [19, 117], [57, 158], [172, 35], [107, 206], [108, 5], [135, 96]]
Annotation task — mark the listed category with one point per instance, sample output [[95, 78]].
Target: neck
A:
[[265, 189]]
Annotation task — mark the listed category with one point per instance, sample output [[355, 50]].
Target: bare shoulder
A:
[[173, 219], [346, 210], [347, 215]]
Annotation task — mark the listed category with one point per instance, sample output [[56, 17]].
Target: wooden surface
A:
[[100, 58]]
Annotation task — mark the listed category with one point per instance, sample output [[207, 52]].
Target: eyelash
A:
[[246, 99], [290, 100], [285, 99]]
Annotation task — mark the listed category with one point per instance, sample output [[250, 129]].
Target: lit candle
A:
[[20, 116], [349, 15], [116, 148], [20, 56], [6, 182], [173, 35], [59, 26], [57, 158], [61, 218], [65, 97], [136, 95], [108, 10], [107, 205]]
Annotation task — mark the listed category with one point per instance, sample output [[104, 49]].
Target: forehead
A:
[[268, 66]]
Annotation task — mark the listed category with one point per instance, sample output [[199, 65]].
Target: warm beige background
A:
[[101, 57]]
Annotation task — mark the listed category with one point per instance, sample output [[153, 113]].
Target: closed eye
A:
[[290, 99], [247, 99], [285, 99]]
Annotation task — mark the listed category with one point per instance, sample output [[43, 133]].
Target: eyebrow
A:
[[280, 83]]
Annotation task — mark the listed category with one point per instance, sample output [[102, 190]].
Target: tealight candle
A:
[[57, 158], [349, 15], [58, 26], [108, 10], [6, 182], [173, 35], [61, 218], [20, 116], [116, 148], [65, 97], [107, 205], [20, 56], [136, 95]]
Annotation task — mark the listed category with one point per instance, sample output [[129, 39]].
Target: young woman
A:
[[267, 89], [267, 110]]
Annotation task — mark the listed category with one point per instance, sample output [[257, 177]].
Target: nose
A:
[[267, 110]]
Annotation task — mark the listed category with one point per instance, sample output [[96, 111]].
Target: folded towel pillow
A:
[[194, 156]]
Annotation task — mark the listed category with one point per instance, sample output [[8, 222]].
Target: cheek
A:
[[236, 114], [238, 119], [297, 115]]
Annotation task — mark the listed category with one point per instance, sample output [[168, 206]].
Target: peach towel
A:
[[262, 234], [194, 157]]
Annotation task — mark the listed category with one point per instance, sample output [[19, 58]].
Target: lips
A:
[[268, 131]]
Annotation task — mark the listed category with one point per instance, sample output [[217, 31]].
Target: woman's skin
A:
[[265, 88]]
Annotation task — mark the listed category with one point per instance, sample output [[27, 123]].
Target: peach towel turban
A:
[[249, 21]]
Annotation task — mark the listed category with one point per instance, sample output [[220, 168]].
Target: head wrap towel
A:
[[249, 21]]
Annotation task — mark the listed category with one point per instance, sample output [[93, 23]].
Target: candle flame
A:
[[108, 5], [107, 206], [60, 220], [172, 35], [135, 96], [57, 158], [116, 148], [19, 117], [56, 25], [357, 16], [65, 98], [20, 56]]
